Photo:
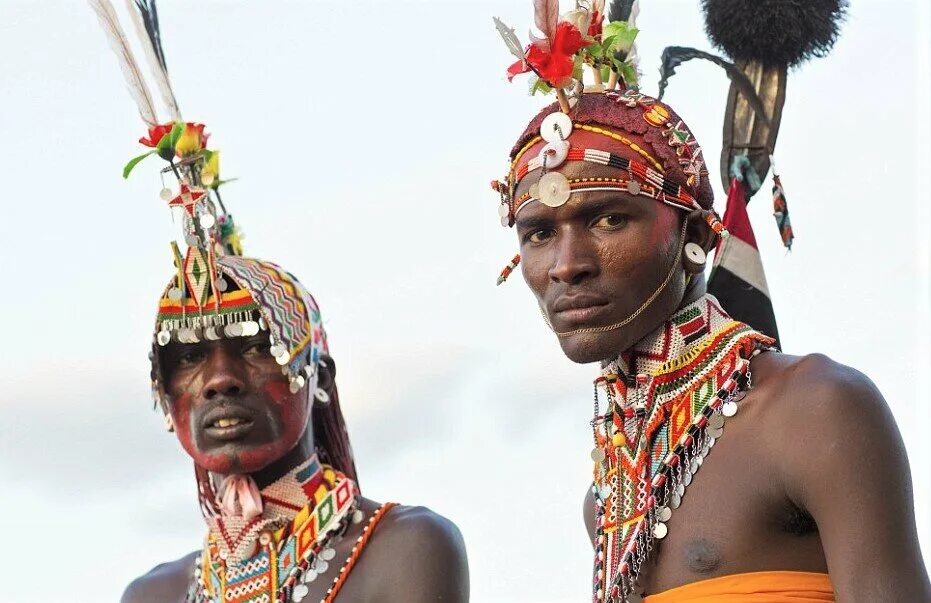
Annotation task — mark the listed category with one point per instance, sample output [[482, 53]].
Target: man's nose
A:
[[574, 259], [223, 375]]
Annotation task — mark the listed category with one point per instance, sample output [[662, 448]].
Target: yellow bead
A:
[[619, 439]]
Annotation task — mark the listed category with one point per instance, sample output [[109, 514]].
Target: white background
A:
[[365, 134]]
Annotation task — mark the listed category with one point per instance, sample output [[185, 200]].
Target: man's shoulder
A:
[[420, 531], [165, 583], [819, 407], [432, 550], [816, 386]]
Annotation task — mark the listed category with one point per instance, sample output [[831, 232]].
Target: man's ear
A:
[[700, 232], [326, 379]]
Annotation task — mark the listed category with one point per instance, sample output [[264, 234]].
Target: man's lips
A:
[[227, 422], [581, 308]]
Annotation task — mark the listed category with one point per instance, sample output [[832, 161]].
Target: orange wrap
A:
[[756, 587]]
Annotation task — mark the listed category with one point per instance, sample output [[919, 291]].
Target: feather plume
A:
[[546, 14], [120, 45], [510, 38], [673, 56], [620, 10], [145, 20], [774, 32]]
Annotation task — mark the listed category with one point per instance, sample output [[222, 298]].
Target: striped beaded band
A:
[[644, 179], [357, 551]]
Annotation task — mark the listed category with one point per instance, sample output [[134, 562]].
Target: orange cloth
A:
[[754, 587]]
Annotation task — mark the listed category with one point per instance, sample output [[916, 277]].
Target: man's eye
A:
[[610, 221], [191, 358], [539, 236], [256, 348]]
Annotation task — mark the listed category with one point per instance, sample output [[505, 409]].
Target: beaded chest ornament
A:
[[667, 403]]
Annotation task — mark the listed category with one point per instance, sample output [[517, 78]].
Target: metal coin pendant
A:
[[598, 455], [660, 530], [633, 187], [322, 566], [556, 126], [504, 210], [277, 350], [716, 421], [163, 338], [328, 554], [687, 479], [680, 490], [663, 513], [309, 576], [174, 294], [300, 591], [729, 409], [675, 500], [554, 189], [283, 359]]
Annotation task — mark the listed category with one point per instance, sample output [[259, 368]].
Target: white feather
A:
[[155, 67], [510, 38], [106, 14]]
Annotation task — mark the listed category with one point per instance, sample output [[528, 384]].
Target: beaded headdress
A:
[[608, 122], [215, 292]]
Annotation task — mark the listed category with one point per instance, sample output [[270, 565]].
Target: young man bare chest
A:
[[756, 502]]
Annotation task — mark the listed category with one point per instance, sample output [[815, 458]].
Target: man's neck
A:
[[294, 457]]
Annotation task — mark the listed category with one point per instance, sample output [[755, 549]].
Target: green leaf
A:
[[629, 74], [538, 85], [132, 163], [605, 73], [175, 133], [621, 35]]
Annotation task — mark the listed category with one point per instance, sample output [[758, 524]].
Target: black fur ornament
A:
[[774, 32]]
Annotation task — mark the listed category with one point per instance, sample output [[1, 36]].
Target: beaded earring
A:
[[509, 269]]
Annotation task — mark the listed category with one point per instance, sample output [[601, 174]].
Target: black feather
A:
[[774, 32], [620, 10], [673, 56], [149, 14]]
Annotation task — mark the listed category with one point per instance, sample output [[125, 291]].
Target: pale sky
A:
[[364, 135]]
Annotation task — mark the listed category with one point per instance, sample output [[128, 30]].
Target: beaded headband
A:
[[215, 292]]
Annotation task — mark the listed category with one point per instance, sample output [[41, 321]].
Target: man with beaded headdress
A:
[[801, 486], [242, 373]]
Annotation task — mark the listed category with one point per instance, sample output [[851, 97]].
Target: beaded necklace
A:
[[290, 543], [667, 402]]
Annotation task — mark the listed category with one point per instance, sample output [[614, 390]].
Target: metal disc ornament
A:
[[207, 221], [554, 154], [663, 513], [729, 409], [163, 338], [300, 591], [556, 126], [554, 189], [174, 294], [660, 530], [166, 194]]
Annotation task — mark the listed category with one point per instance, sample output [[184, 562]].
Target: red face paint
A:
[[281, 420]]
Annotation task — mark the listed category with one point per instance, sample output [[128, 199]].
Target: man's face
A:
[[596, 259], [231, 405]]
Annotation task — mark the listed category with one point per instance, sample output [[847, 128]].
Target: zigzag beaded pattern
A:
[[656, 425]]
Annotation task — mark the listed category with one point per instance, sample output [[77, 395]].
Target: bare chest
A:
[[734, 518]]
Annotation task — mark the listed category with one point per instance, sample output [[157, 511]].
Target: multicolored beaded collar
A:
[[667, 403], [274, 556]]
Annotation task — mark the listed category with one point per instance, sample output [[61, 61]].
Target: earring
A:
[[321, 396], [515, 261], [169, 423], [695, 255]]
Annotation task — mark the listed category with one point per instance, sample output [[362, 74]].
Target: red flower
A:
[[554, 65], [594, 30], [156, 133]]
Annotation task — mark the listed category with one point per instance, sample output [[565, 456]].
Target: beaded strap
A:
[[356, 551]]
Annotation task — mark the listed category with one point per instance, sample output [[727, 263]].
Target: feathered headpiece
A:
[[609, 122], [215, 292]]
